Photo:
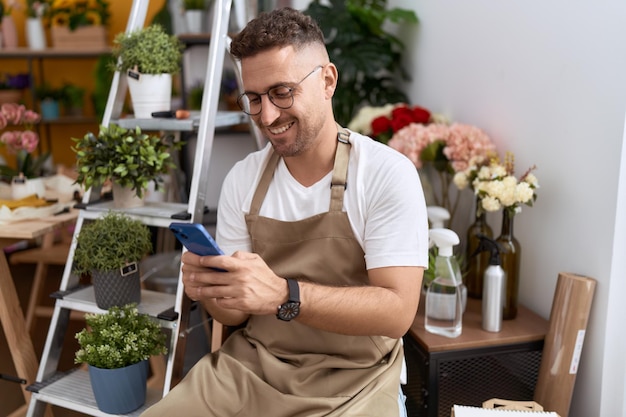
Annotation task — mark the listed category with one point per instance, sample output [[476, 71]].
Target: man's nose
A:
[[269, 111]]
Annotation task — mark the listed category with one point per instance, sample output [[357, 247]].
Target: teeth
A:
[[280, 130]]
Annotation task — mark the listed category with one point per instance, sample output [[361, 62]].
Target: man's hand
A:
[[247, 287]]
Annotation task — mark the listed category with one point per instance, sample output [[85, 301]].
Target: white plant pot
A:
[[194, 20], [125, 197], [35, 34], [150, 93], [22, 188]]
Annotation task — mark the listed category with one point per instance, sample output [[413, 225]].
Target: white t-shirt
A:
[[383, 199]]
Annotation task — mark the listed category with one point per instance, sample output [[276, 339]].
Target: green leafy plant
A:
[[128, 157], [368, 57], [193, 4], [149, 51], [72, 96], [118, 338], [45, 91], [102, 77], [110, 242]]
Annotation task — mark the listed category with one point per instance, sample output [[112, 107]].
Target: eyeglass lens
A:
[[281, 96]]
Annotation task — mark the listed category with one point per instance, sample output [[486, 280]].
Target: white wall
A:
[[547, 80]]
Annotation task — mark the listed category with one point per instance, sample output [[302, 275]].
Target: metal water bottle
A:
[[494, 283]]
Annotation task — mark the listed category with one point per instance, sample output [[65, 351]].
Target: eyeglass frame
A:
[[269, 96]]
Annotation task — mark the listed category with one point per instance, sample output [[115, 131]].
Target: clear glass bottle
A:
[[444, 304]]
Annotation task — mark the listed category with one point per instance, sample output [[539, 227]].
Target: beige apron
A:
[[286, 369]]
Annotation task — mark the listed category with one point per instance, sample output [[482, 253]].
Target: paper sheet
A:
[[466, 411]]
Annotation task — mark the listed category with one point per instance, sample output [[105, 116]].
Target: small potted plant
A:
[[148, 56], [49, 100], [130, 158], [194, 15], [110, 248], [72, 99], [116, 346]]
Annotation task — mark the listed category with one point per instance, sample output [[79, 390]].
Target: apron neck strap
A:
[[338, 182]]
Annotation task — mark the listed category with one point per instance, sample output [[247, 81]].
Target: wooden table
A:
[[11, 315], [474, 367]]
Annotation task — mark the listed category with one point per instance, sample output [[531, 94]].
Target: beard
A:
[[306, 136]]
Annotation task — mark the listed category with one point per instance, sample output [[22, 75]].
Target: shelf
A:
[[71, 120], [73, 391], [152, 303], [157, 214], [224, 119], [26, 53]]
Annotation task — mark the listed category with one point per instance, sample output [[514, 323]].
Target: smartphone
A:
[[195, 238]]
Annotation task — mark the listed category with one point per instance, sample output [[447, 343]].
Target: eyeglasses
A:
[[281, 96]]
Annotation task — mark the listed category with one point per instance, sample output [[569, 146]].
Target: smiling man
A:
[[327, 232]]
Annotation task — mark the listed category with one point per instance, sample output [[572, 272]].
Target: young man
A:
[[328, 235]]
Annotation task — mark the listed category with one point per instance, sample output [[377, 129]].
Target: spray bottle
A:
[[437, 216], [494, 283], [444, 305]]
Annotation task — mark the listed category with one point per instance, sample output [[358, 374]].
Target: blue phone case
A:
[[195, 238]]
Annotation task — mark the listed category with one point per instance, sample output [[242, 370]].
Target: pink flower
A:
[[13, 112], [29, 140], [31, 117], [10, 139], [467, 146]]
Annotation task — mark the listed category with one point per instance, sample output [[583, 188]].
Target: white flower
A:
[[461, 180]]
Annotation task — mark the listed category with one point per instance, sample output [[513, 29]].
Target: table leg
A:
[[41, 270], [14, 326], [18, 339]]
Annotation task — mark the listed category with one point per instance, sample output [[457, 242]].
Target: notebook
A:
[[467, 411]]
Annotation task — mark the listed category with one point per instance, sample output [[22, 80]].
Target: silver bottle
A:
[[494, 282], [494, 285]]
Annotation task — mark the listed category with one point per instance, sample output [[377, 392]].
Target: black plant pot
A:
[[117, 288]]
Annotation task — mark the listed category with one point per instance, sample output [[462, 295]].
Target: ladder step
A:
[[72, 390]]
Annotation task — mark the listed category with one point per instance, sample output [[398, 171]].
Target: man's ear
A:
[[330, 79]]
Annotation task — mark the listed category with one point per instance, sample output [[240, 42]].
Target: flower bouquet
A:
[[78, 23], [21, 143], [497, 188], [382, 122], [447, 150], [76, 13]]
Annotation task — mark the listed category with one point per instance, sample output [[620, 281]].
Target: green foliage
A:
[[150, 49], [119, 338], [46, 91], [193, 4], [368, 58], [102, 77], [72, 96], [126, 156], [110, 242]]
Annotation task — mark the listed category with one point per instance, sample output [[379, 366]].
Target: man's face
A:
[[294, 130]]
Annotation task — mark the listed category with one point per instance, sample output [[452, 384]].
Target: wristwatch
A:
[[290, 310]]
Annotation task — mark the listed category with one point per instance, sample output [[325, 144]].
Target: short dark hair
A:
[[277, 28]]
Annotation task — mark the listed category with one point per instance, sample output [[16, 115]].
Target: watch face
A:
[[289, 310]]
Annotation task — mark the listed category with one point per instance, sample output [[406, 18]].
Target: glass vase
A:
[[476, 264], [510, 255]]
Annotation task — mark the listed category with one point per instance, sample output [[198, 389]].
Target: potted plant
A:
[[129, 158], [194, 15], [368, 57], [148, 56], [49, 100], [116, 346], [109, 248], [78, 24], [72, 99]]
